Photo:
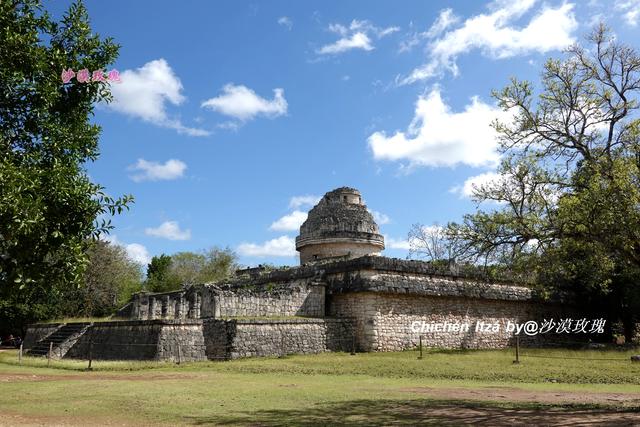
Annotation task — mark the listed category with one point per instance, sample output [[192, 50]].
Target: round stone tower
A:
[[339, 226]]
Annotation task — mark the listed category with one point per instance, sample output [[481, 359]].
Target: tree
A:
[[158, 273], [110, 279], [431, 243], [188, 268], [48, 205], [568, 187], [597, 257], [219, 264]]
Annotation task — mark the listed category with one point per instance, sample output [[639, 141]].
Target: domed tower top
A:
[[339, 226]]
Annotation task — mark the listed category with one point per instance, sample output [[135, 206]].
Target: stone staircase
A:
[[62, 339]]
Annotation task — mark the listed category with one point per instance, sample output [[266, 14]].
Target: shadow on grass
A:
[[427, 412]]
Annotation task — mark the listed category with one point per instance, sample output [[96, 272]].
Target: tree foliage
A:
[[568, 205], [158, 274], [109, 280], [432, 243], [167, 273], [48, 205]]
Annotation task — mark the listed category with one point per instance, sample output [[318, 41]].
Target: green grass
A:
[[324, 389], [536, 365], [562, 366]]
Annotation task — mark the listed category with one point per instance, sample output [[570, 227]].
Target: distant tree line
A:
[[168, 273], [111, 277]]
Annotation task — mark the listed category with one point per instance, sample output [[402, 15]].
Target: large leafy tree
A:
[[48, 205], [598, 256], [167, 273], [158, 274], [568, 193], [109, 280]]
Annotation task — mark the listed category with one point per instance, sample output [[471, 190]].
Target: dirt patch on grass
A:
[[398, 414], [510, 394], [14, 419], [365, 413], [16, 377], [454, 415]]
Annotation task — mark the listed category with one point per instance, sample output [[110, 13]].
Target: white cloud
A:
[[505, 186], [356, 36], [391, 243], [473, 182], [153, 171], [433, 229], [439, 137], [135, 251], [285, 21], [380, 218], [138, 253], [303, 201], [495, 36], [630, 10], [446, 19], [244, 104], [408, 244], [355, 41], [409, 43], [283, 246], [144, 92], [290, 222], [169, 230], [386, 31]]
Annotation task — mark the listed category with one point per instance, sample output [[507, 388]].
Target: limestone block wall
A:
[[295, 298], [182, 341], [141, 340], [384, 320], [424, 284], [327, 249], [219, 336], [38, 331], [118, 341], [300, 297], [213, 339], [231, 339], [183, 304]]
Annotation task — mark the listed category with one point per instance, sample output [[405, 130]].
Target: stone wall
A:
[[295, 298], [142, 340], [231, 339], [384, 320], [427, 285], [182, 341], [37, 332], [182, 304], [383, 297], [331, 249], [301, 297], [213, 339]]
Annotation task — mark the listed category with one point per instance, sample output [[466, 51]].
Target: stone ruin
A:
[[339, 226], [344, 296]]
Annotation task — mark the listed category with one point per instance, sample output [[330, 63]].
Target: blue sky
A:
[[233, 117]]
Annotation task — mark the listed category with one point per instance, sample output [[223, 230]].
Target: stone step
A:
[[58, 339]]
